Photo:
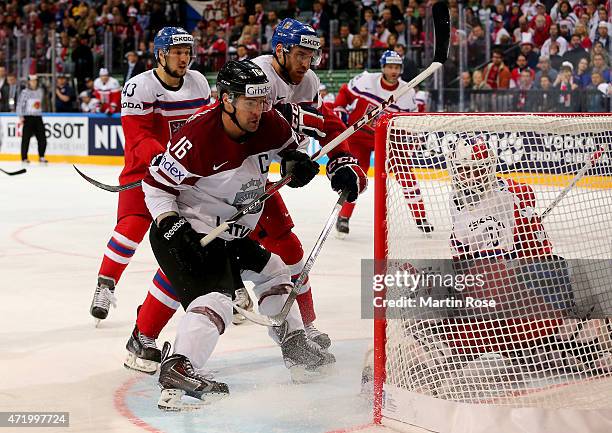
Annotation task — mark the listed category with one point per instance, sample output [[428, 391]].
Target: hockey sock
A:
[[306, 305], [347, 209], [158, 308], [122, 245]]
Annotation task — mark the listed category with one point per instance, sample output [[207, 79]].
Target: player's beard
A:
[[174, 73]]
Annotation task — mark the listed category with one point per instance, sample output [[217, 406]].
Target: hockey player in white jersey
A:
[[215, 164], [295, 93], [364, 92]]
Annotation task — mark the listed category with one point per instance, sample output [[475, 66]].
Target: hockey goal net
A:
[[537, 238]]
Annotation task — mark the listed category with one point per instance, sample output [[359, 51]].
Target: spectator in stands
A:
[[599, 49], [575, 52], [546, 100], [357, 54], [529, 8], [218, 49], [394, 9], [65, 96], [369, 21], [554, 36], [320, 19], [518, 32], [346, 36], [236, 33], [133, 66], [527, 50], [499, 33], [417, 37], [545, 68], [581, 31], [582, 76], [382, 34], [521, 65], [555, 59], [565, 86], [600, 17], [400, 30], [250, 44], [603, 37], [524, 98], [480, 95], [562, 11], [540, 30], [599, 65], [496, 74], [271, 24], [477, 45], [88, 104], [596, 101], [241, 52]]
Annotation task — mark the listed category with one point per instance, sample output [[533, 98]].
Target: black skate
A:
[[313, 334], [103, 298], [143, 354], [342, 227], [178, 378], [244, 301], [305, 359], [424, 225]]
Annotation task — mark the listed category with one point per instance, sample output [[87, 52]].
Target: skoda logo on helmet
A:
[[182, 39], [256, 90], [310, 41]]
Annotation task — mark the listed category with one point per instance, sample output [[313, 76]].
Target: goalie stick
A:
[[589, 164], [278, 319], [13, 173]]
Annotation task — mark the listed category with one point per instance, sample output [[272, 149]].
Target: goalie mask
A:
[[472, 166]]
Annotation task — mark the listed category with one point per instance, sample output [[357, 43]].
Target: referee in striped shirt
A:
[[29, 110]]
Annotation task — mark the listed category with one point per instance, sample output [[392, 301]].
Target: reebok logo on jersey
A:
[[170, 167], [177, 225]]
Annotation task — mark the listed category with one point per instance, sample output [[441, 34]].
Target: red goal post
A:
[[437, 376]]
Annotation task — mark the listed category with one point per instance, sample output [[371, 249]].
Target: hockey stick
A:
[[111, 188], [279, 318], [14, 173], [589, 164], [441, 20]]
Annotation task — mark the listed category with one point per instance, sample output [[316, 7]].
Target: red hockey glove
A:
[[344, 173], [304, 119]]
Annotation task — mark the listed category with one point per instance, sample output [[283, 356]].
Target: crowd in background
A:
[[529, 55]]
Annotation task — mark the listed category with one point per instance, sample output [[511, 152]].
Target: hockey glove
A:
[[303, 119], [300, 166], [183, 242], [344, 173]]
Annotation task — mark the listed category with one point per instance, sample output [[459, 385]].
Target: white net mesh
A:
[[548, 341]]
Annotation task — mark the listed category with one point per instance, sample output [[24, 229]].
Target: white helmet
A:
[[472, 165]]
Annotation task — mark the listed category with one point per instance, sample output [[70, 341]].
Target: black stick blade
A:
[[14, 173], [441, 22], [105, 187]]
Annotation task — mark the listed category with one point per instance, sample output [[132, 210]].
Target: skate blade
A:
[[171, 400], [132, 362], [340, 235], [97, 323]]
